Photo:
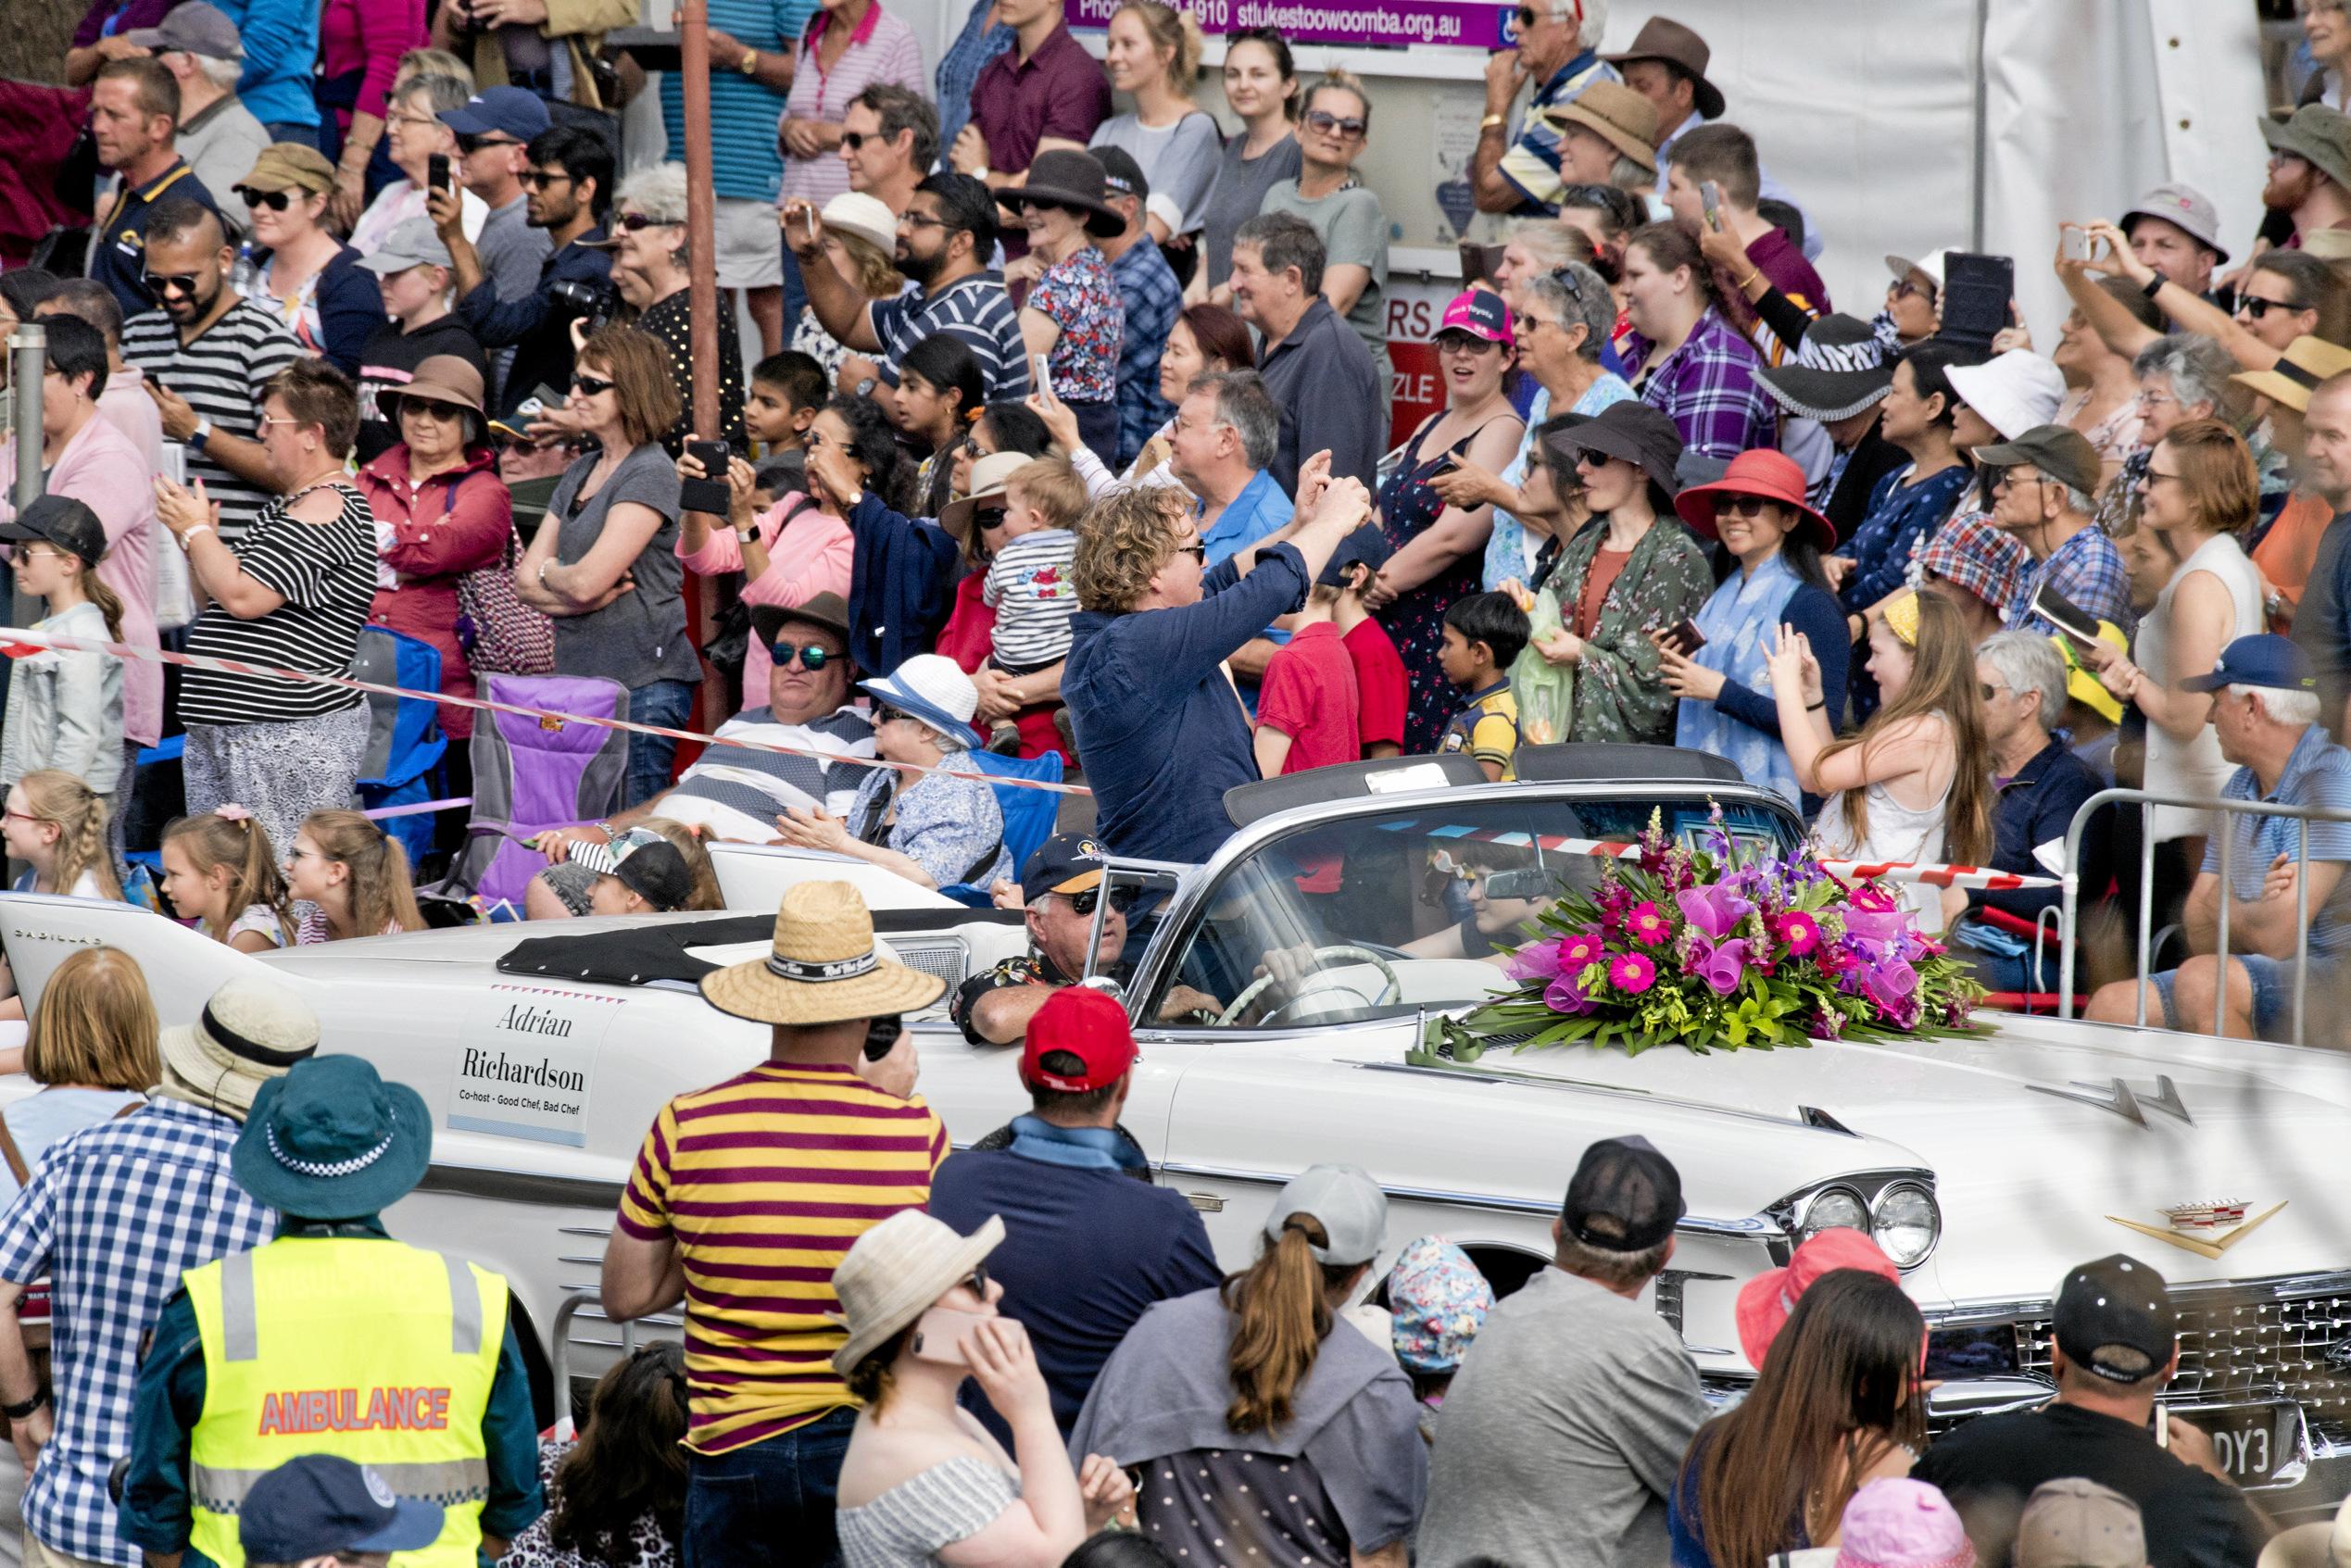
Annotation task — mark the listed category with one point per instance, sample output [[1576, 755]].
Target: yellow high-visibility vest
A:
[[370, 1350]]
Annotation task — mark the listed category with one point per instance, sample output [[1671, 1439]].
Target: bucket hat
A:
[[1642, 435], [61, 521], [1987, 562], [444, 378], [1618, 115], [990, 475], [2185, 209], [1766, 1300], [1662, 39], [931, 687], [1770, 474], [290, 166], [193, 28], [1438, 1301], [896, 1271], [332, 1140], [2014, 391], [1840, 368], [2306, 362], [2317, 135], [248, 1034], [1898, 1522], [1074, 180], [822, 967], [2075, 1523], [869, 218]]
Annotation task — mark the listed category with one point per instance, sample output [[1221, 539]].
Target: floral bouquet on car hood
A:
[[1699, 947]]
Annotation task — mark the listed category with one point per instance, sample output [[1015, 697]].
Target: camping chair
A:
[[1028, 813], [402, 764], [531, 774]]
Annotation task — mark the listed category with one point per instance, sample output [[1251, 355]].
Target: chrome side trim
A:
[[522, 1187], [1753, 1228], [1479, 1071]]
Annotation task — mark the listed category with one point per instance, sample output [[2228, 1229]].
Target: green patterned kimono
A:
[[1619, 696]]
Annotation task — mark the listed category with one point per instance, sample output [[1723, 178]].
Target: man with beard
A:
[[208, 355], [944, 239], [566, 184], [2310, 168]]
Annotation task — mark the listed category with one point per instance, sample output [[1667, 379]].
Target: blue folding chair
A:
[[1028, 813], [402, 764]]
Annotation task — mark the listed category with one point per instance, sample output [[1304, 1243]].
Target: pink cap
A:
[[1481, 314], [1766, 1300], [1902, 1524]]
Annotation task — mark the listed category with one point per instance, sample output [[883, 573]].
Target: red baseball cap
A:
[[1766, 1300], [1090, 1026]]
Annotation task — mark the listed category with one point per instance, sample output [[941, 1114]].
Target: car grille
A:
[[2235, 1342]]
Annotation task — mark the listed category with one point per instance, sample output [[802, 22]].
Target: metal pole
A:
[[2302, 926], [2220, 952], [703, 302], [2146, 902], [29, 352]]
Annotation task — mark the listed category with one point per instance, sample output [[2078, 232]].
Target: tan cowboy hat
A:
[[895, 1272], [1619, 116], [2307, 363], [250, 1032], [824, 969]]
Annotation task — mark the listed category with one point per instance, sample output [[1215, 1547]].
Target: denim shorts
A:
[[2272, 997]]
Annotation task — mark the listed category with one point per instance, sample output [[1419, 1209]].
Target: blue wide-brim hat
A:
[[332, 1140]]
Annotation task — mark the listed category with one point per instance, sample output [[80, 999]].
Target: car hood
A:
[[2036, 1155]]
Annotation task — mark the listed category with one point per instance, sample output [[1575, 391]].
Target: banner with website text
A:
[[1397, 24]]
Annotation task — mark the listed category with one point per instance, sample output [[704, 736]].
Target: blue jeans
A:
[[768, 1505], [658, 702], [285, 130]]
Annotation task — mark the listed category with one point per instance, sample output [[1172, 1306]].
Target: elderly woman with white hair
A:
[[916, 816], [2039, 786], [2181, 377], [649, 269]]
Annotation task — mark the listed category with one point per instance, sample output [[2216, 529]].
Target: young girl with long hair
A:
[[1837, 1404], [1915, 783], [616, 1499], [221, 872], [91, 1048], [354, 875], [56, 825], [64, 707]]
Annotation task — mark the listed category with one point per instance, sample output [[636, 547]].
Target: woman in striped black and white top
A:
[[293, 594]]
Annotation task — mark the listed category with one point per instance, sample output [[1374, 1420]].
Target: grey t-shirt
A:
[[640, 637], [1178, 161], [1239, 196], [1354, 232], [1560, 1440]]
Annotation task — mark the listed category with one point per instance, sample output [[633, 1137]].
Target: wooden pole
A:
[[703, 301]]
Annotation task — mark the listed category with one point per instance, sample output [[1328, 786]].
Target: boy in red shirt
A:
[[1308, 704], [1381, 693]]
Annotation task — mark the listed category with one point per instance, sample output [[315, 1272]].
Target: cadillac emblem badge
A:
[[2207, 1228]]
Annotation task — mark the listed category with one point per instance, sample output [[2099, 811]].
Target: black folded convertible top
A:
[[643, 955]]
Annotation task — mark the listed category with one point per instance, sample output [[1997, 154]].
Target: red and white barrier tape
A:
[[17, 642], [1928, 872]]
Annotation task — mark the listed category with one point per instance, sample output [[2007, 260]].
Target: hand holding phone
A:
[[1040, 375], [939, 1334], [1684, 639], [708, 493], [1710, 197], [436, 173]]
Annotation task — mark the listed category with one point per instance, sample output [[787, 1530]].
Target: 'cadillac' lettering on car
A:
[[303, 1410]]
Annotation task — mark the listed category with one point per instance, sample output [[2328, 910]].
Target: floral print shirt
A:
[[1618, 694], [1083, 300], [952, 825]]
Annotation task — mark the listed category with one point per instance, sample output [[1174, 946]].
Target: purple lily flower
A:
[[1714, 911]]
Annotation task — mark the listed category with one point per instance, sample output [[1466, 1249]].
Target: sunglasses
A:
[[976, 1281], [635, 222], [2247, 304], [475, 143], [853, 139], [1463, 343], [885, 714], [276, 201], [1027, 207], [1121, 901], [424, 408], [588, 386], [989, 517], [157, 284], [1740, 506], [1910, 288], [1328, 123], [1528, 16], [1198, 552], [812, 659], [539, 180]]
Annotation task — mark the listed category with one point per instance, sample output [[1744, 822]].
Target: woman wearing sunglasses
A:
[[649, 271], [1768, 576], [441, 512], [1333, 130], [298, 271], [603, 563], [923, 1482], [917, 818]]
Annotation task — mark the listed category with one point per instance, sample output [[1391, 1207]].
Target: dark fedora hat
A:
[[1662, 39], [1642, 435], [1074, 179], [826, 611]]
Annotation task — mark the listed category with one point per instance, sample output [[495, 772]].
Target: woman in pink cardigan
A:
[[441, 512], [787, 554]]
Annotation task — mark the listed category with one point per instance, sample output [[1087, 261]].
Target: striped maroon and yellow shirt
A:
[[763, 1182]]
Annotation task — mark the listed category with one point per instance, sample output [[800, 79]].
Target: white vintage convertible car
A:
[[1984, 1166]]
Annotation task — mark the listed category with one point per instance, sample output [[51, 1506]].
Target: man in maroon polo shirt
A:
[[1725, 156], [1044, 92]]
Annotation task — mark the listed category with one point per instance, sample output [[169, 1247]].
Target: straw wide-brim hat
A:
[[2325, 1543], [2307, 362], [896, 1271], [824, 967], [251, 1031]]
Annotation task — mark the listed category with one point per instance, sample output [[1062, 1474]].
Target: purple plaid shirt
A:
[[1708, 386], [2087, 570]]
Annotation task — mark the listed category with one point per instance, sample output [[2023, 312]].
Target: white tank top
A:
[[1896, 832], [2194, 767]]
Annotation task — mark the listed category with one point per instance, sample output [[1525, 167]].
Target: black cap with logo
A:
[[2116, 1303]]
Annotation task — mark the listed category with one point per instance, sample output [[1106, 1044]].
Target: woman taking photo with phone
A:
[[1074, 317], [924, 1482]]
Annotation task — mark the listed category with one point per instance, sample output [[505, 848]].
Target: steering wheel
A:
[[1320, 957]]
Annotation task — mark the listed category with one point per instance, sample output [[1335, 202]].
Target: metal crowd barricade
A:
[[2146, 801]]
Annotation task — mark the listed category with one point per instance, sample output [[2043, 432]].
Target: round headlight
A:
[[1831, 1207], [1905, 1224]]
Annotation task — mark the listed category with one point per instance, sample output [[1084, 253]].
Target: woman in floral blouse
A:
[[616, 1499], [1632, 572], [1074, 315]]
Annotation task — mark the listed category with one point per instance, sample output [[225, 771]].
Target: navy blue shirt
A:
[[902, 574], [1086, 1253], [1162, 735], [119, 254], [2322, 620], [538, 326], [2035, 807]]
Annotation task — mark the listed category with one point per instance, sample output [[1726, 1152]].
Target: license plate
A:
[[2254, 1442]]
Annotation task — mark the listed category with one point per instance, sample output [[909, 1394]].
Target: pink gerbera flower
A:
[[1647, 923], [1799, 931], [1577, 951], [1631, 974]]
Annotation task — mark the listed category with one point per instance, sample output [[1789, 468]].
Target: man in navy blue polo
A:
[[1089, 1243], [134, 120]]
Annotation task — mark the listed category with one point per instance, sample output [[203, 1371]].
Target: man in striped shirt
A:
[[206, 354], [745, 1198]]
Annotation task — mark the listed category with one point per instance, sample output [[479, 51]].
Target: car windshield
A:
[[1382, 915]]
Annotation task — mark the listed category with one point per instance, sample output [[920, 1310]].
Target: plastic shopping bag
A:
[[1545, 692]]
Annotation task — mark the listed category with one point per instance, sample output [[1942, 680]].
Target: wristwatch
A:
[[1492, 122], [748, 532], [2154, 285], [749, 63], [202, 434]]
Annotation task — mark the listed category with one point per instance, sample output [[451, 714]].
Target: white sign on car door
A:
[[526, 1063]]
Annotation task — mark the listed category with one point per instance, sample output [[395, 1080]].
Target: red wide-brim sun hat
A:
[[1766, 1301], [1771, 475]]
